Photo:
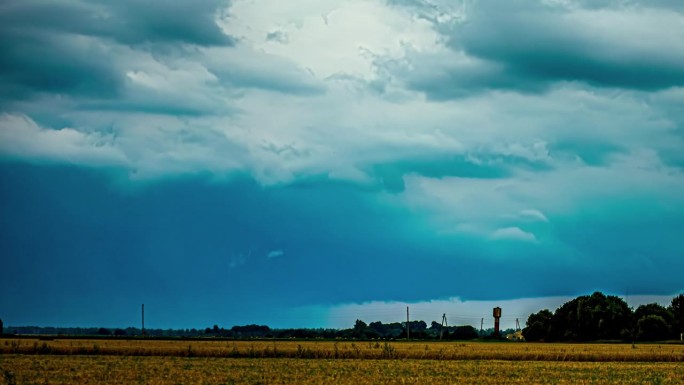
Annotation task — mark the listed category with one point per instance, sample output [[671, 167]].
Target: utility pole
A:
[[517, 325], [481, 324], [444, 322], [407, 323], [143, 320]]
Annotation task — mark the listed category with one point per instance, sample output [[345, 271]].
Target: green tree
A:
[[464, 333], [360, 329], [390, 330], [652, 328], [591, 318], [652, 309], [378, 327], [538, 326], [418, 325], [677, 310], [1, 327]]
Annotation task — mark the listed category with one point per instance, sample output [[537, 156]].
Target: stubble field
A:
[[66, 361]]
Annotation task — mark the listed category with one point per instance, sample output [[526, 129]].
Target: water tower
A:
[[497, 316]]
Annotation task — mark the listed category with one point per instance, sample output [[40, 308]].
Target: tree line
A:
[[599, 317], [360, 330], [586, 318]]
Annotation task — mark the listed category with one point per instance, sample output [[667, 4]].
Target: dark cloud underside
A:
[[129, 22], [528, 46], [64, 48]]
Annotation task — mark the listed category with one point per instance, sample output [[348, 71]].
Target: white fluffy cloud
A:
[[21, 137], [329, 37], [275, 254], [514, 234]]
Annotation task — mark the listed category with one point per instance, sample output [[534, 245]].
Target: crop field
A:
[[78, 361]]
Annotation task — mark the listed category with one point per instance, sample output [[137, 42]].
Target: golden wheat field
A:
[[65, 361]]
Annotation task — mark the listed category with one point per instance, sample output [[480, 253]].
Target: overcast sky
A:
[[296, 163]]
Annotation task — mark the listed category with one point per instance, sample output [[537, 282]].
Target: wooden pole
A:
[[441, 330], [407, 323]]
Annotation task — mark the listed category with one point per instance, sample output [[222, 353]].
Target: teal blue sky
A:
[[299, 163]]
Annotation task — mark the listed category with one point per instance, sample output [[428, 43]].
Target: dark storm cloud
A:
[[590, 152], [67, 232], [598, 4], [477, 166], [128, 22], [177, 21], [392, 174], [38, 62], [542, 44], [528, 46], [67, 48], [142, 161], [244, 68], [279, 36]]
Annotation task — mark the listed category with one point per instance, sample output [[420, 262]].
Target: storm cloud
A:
[[316, 154], [530, 46]]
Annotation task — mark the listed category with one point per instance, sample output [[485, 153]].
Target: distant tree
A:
[[248, 331], [360, 329], [119, 332], [677, 310], [464, 333], [652, 309], [418, 325], [378, 327], [538, 326], [302, 333], [104, 332], [1, 327], [418, 330], [390, 330], [652, 328], [590, 318]]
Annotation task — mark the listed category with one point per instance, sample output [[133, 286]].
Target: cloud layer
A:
[[539, 137]]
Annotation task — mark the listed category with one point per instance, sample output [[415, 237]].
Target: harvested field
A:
[[138, 361], [21, 369], [350, 350]]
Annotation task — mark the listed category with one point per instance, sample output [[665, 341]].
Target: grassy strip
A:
[[351, 350]]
